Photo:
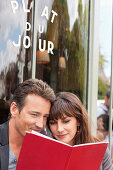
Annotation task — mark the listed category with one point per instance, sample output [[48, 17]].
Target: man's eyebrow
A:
[[35, 112], [47, 114]]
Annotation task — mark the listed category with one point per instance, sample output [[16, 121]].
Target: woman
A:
[[68, 122]]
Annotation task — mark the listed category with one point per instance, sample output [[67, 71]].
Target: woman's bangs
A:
[[59, 110]]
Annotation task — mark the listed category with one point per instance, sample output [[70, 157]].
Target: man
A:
[[103, 125], [104, 107], [103, 128], [28, 111]]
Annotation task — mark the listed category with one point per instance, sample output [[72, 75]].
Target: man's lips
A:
[[37, 130]]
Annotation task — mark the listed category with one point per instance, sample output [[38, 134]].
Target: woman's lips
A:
[[61, 136]]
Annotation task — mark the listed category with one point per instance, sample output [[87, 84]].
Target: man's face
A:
[[107, 101], [33, 116], [100, 124]]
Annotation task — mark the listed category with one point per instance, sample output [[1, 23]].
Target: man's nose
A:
[[40, 123]]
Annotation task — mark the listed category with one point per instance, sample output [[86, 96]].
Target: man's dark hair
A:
[[108, 94], [32, 86], [105, 119]]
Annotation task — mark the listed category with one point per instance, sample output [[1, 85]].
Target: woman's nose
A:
[[60, 127]]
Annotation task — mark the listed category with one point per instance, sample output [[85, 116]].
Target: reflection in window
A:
[[15, 62], [66, 69]]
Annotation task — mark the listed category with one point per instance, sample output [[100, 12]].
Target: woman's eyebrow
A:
[[52, 120], [63, 118]]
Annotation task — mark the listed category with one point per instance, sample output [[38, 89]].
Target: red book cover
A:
[[40, 152]]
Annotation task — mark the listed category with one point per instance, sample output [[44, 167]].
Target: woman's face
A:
[[65, 129]]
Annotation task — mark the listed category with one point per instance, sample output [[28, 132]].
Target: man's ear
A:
[[14, 109]]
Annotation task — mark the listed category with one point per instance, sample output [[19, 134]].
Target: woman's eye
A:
[[52, 123], [66, 121]]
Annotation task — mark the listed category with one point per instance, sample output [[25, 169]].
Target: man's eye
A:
[[33, 114], [45, 117]]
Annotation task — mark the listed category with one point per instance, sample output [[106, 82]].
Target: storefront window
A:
[[15, 48], [62, 36], [104, 48]]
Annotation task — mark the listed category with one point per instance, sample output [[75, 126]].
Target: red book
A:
[[39, 152]]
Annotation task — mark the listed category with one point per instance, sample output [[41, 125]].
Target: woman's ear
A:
[[78, 124], [14, 109]]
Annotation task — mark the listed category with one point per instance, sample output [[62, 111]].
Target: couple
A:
[[29, 110]]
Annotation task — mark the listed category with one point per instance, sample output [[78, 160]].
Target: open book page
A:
[[88, 156], [38, 152]]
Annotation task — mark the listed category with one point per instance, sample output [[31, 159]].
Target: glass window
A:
[[15, 48], [62, 35], [105, 48]]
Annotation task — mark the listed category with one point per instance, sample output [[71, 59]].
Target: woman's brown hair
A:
[[69, 104]]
